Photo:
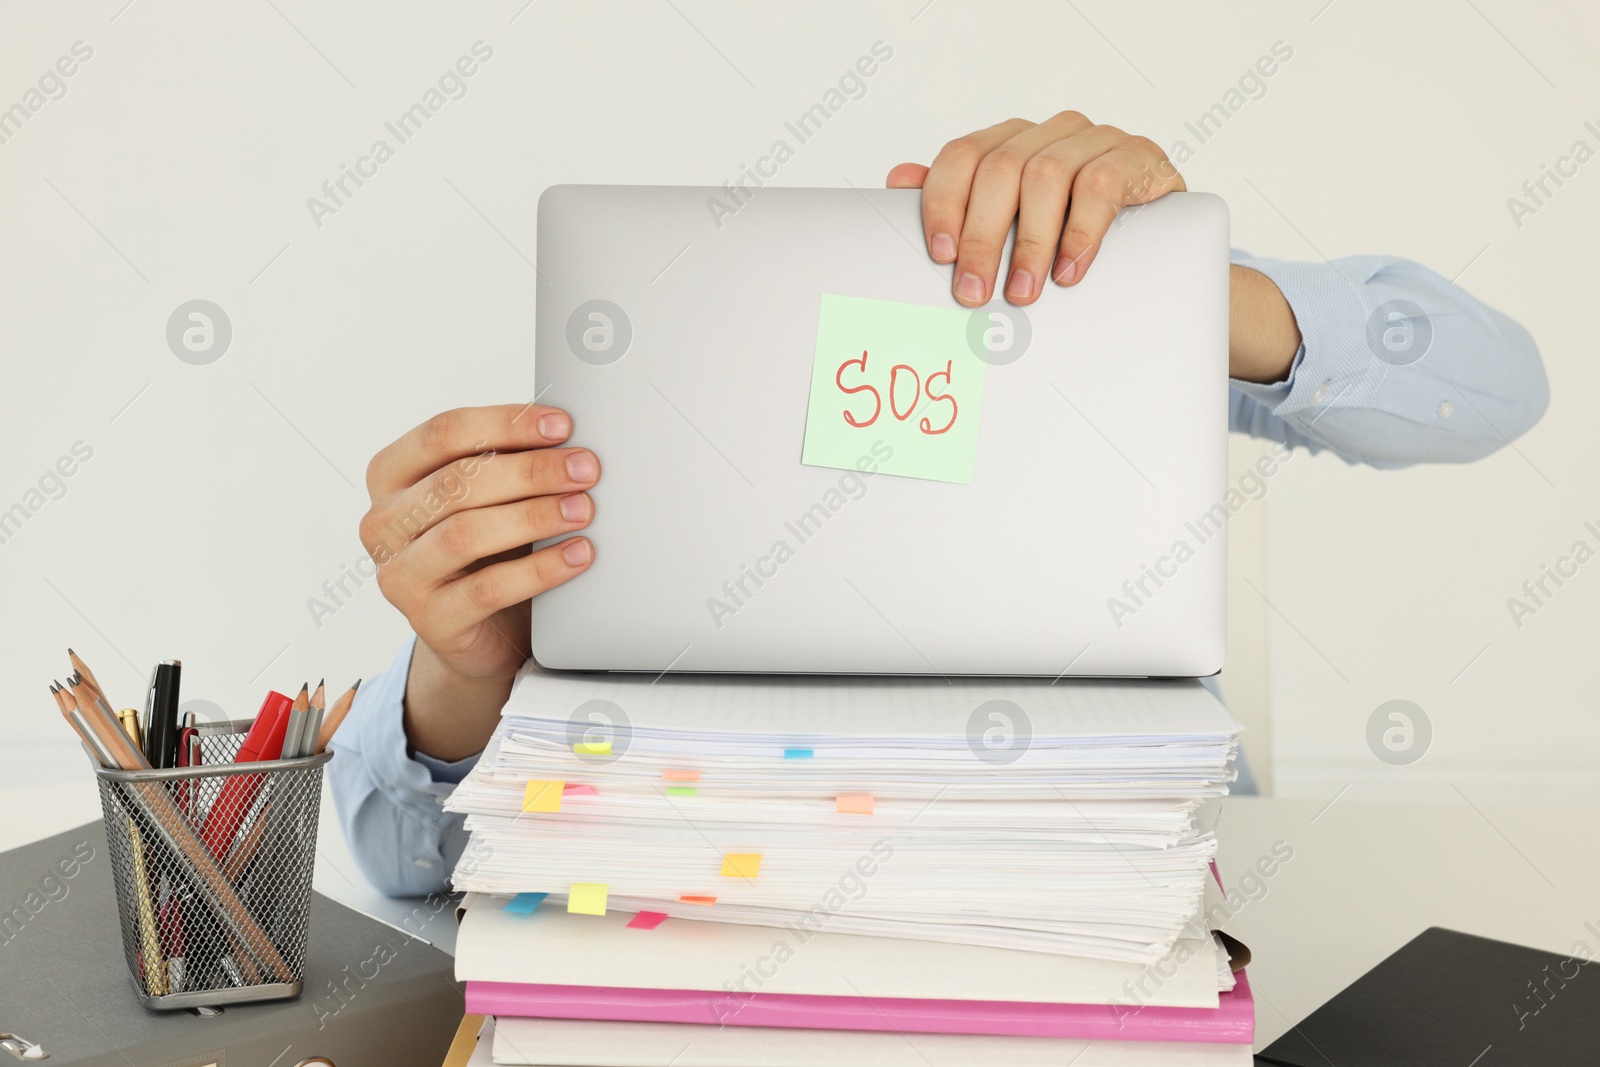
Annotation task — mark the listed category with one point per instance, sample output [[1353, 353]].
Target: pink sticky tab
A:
[[854, 803], [577, 789], [647, 920], [679, 775]]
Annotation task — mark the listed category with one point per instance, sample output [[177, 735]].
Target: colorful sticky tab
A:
[[592, 748], [682, 790], [586, 898], [647, 920], [854, 803], [741, 865], [524, 903], [797, 753], [681, 775], [542, 796], [578, 789], [705, 902]]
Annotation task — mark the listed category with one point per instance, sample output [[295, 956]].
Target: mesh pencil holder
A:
[[212, 866]]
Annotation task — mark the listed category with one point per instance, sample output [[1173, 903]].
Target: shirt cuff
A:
[[1325, 305]]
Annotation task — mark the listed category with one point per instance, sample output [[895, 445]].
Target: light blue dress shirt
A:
[[1356, 388]]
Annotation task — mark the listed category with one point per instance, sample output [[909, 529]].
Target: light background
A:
[[219, 498]]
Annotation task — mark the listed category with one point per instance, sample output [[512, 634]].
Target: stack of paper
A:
[[995, 857]]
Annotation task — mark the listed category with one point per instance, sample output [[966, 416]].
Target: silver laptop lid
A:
[[816, 461]]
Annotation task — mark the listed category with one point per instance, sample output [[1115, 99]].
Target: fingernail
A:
[[577, 553], [1066, 269], [555, 426], [1021, 285], [575, 508], [943, 247], [969, 287], [581, 467]]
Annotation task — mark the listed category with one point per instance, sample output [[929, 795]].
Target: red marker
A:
[[263, 742]]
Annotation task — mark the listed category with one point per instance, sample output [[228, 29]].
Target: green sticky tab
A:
[[680, 790], [895, 388]]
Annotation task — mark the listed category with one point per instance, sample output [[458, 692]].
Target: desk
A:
[[1364, 879]]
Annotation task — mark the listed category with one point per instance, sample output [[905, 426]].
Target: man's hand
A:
[[456, 503], [1062, 180]]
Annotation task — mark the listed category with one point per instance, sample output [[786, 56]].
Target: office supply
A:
[[297, 721], [901, 377], [1073, 834], [263, 742], [162, 744], [152, 962], [466, 1049], [75, 718], [1448, 998], [306, 738], [98, 720], [373, 993], [83, 670], [513, 1042], [335, 716], [1097, 476], [129, 718], [589, 966]]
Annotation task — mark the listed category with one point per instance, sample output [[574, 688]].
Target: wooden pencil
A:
[[83, 669], [336, 714]]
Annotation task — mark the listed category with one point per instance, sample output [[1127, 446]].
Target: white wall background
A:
[[219, 498]]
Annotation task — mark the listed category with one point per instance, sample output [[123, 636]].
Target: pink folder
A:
[[1231, 1022]]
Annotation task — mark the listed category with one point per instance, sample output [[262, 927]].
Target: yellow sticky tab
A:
[[586, 898], [592, 748], [741, 865], [542, 796], [853, 803]]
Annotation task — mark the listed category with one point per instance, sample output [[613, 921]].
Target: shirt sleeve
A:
[[1397, 365], [390, 803]]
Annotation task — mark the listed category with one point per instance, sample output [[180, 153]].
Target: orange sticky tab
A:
[[741, 865], [854, 803], [681, 776], [542, 796], [586, 898], [702, 901]]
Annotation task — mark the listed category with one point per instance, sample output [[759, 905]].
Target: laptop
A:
[[816, 461]]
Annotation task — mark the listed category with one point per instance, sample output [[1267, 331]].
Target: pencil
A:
[[336, 714], [101, 722], [75, 719], [83, 669], [297, 721]]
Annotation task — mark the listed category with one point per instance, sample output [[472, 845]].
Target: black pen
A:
[[163, 736]]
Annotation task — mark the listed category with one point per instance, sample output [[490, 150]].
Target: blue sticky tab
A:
[[797, 753], [524, 903]]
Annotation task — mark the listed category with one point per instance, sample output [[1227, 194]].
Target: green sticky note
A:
[[895, 388]]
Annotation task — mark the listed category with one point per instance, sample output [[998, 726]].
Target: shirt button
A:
[[1319, 394], [1445, 409]]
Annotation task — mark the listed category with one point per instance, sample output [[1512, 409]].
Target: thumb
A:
[[906, 176]]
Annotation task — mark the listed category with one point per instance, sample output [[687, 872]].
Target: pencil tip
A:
[[321, 682], [357, 685], [70, 652]]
